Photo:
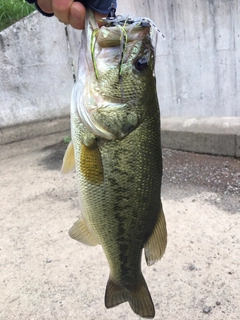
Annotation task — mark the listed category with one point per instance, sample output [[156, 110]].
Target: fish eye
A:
[[141, 64]]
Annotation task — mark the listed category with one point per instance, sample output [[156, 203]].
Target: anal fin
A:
[[68, 164], [81, 233], [155, 246]]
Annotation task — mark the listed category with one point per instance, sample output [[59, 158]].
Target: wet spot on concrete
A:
[[53, 160]]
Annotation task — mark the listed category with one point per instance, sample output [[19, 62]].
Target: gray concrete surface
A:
[[218, 136], [197, 71], [45, 275], [197, 65], [33, 129], [35, 71]]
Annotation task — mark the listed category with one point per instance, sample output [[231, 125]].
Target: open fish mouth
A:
[[118, 33]]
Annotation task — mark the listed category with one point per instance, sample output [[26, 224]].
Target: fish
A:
[[115, 149]]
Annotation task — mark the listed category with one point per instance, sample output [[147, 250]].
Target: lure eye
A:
[[141, 64]]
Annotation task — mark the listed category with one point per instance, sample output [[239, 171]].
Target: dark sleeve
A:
[[39, 9], [101, 6]]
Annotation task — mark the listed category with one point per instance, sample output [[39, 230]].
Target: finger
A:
[[61, 9], [98, 17], [77, 15], [45, 5]]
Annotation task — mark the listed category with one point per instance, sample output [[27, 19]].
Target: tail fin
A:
[[139, 298]]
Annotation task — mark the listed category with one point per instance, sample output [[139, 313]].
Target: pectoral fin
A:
[[68, 160], [81, 233], [91, 164], [155, 247]]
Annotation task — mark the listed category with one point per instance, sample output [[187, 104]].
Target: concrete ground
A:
[[46, 275]]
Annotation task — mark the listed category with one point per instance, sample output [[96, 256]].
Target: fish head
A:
[[124, 63], [120, 84]]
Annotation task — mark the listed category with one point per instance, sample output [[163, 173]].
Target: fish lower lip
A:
[[111, 106]]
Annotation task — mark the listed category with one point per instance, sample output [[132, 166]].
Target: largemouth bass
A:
[[116, 150]]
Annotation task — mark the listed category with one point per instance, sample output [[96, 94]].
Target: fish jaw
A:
[[85, 109], [107, 119]]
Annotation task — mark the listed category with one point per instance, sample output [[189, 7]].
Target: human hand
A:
[[67, 11]]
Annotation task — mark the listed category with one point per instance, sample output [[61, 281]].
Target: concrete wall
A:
[[198, 65], [35, 71]]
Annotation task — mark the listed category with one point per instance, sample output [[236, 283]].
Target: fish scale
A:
[[117, 155]]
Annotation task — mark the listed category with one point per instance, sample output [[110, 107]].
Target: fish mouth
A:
[[116, 37]]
